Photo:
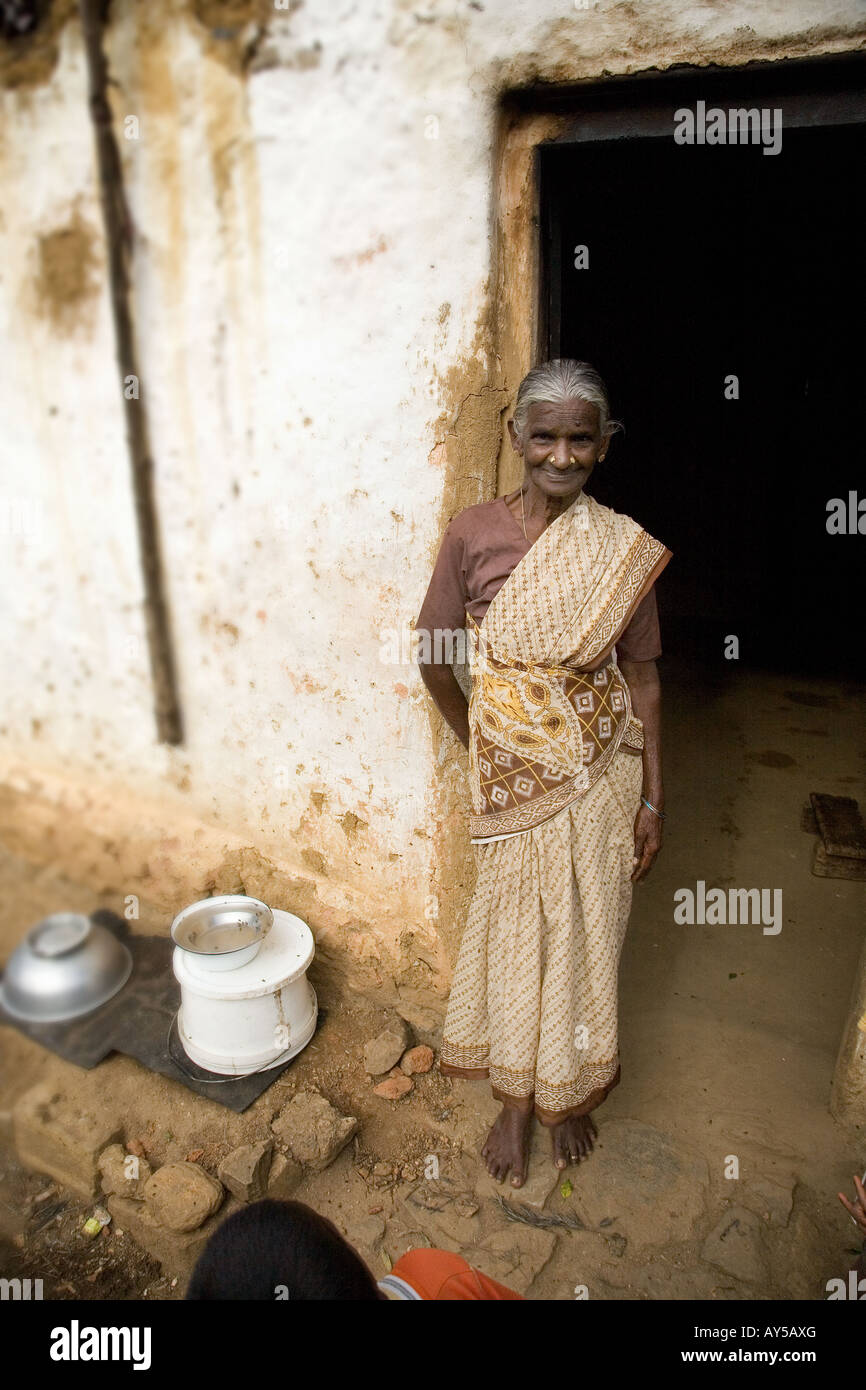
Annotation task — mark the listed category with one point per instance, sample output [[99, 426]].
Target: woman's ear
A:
[[514, 437]]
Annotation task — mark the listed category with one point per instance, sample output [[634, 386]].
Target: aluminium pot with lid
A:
[[66, 966]]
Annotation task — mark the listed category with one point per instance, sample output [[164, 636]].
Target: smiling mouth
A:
[[559, 475]]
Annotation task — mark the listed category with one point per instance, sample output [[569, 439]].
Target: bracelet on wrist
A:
[[656, 812]]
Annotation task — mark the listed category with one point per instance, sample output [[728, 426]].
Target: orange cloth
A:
[[438, 1275]]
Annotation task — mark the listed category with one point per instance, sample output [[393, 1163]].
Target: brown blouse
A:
[[480, 548]]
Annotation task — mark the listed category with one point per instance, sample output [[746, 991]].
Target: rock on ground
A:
[[175, 1251], [769, 1198], [63, 1140], [181, 1196], [123, 1174], [735, 1244], [312, 1131], [417, 1061], [284, 1176], [805, 1254], [641, 1183], [385, 1051], [245, 1170], [394, 1088], [514, 1256]]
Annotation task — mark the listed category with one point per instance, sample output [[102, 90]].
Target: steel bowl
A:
[[66, 966], [222, 933]]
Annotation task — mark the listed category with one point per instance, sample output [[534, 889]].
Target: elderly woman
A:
[[563, 733]]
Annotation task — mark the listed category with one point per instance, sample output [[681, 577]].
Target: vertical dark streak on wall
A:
[[119, 240]]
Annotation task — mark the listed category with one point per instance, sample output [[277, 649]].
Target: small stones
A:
[[385, 1051], [395, 1088], [465, 1206], [246, 1170], [123, 1174], [283, 1178], [312, 1131], [181, 1196], [417, 1061]]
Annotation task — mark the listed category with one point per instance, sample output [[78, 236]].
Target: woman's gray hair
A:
[[563, 379]]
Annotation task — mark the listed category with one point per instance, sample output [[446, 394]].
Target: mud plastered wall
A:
[[328, 346]]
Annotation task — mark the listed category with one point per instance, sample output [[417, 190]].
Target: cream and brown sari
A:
[[555, 772]]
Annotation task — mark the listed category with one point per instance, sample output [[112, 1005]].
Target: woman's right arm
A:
[[444, 611], [447, 697]]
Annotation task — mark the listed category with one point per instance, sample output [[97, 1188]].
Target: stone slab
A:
[[767, 1197], [736, 1245], [641, 1184], [62, 1139], [176, 1252]]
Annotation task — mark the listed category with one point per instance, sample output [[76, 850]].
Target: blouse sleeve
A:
[[444, 605], [641, 639]]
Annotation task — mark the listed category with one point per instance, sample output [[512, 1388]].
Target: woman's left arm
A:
[[642, 678]]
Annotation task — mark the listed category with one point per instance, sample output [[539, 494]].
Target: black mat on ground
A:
[[138, 1021]]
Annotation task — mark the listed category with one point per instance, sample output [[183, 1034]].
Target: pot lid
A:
[[57, 935]]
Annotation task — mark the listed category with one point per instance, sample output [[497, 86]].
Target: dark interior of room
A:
[[706, 262]]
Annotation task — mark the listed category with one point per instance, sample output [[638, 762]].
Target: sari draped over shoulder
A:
[[547, 717], [555, 777]]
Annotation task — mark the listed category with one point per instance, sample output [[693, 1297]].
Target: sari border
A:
[[468, 1073], [527, 1104], [653, 574], [543, 808]]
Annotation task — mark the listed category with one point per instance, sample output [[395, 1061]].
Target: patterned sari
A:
[[555, 773]]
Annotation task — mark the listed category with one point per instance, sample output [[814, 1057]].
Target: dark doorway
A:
[[707, 262]]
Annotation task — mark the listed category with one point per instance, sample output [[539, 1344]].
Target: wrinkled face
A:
[[560, 444]]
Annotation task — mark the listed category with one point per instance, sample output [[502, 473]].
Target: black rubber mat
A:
[[139, 1021]]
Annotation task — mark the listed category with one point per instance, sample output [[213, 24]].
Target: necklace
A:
[[523, 516]]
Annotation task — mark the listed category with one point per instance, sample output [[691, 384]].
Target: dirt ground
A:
[[728, 1042]]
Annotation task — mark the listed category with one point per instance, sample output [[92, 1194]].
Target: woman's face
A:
[[560, 444]]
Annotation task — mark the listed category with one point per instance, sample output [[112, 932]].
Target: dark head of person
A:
[[280, 1250]]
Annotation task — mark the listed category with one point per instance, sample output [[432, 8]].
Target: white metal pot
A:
[[257, 1016]]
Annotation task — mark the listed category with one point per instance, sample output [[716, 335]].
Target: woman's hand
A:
[[643, 682], [856, 1209], [647, 842]]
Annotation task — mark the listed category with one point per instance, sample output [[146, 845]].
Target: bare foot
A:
[[572, 1140], [505, 1146]]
